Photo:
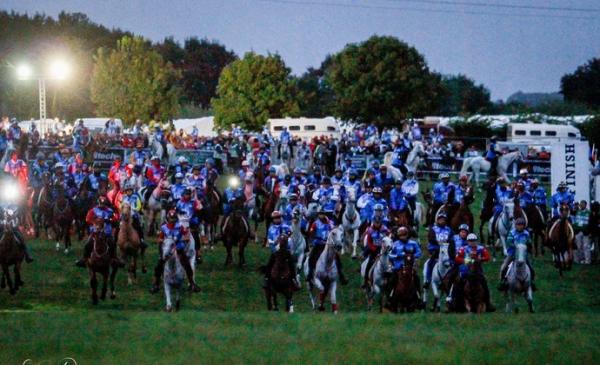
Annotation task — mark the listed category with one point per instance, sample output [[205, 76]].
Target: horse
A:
[[297, 242], [429, 212], [129, 243], [236, 233], [211, 210], [154, 204], [285, 153], [473, 290], [413, 159], [43, 206], [463, 213], [350, 223], [479, 163], [560, 239], [99, 262], [501, 227], [537, 224], [62, 215], [439, 282], [267, 209], [82, 203], [326, 272], [376, 274], [173, 274], [487, 208], [405, 294], [10, 254], [518, 277], [280, 277]]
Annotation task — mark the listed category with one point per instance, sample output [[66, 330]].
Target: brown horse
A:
[[560, 239], [62, 219], [210, 213], [267, 209], [236, 232], [430, 213], [280, 277], [537, 223], [10, 255], [129, 243], [463, 213], [487, 210], [100, 263], [44, 206], [82, 203], [473, 290], [405, 293], [401, 218]]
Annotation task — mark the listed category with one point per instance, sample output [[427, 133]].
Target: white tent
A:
[[205, 125]]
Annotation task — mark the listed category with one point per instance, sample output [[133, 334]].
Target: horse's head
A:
[[444, 256], [564, 211], [521, 254], [509, 209], [335, 239], [386, 245], [351, 194], [168, 248], [125, 211], [296, 215]]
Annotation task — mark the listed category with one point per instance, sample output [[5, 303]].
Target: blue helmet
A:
[[463, 227], [297, 170], [272, 169], [378, 207], [210, 161]]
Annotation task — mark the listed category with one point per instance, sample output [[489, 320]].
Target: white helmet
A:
[[181, 159], [472, 237]]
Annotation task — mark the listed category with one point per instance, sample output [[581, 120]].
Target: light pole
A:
[[58, 70]]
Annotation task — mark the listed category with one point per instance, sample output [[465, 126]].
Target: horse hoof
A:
[[57, 246], [66, 251], [168, 309]]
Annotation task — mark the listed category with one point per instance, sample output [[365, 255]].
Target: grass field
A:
[[52, 318]]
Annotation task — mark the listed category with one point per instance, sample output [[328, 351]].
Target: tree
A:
[[382, 81], [590, 129], [133, 81], [463, 96], [317, 97], [252, 90], [200, 63], [583, 85]]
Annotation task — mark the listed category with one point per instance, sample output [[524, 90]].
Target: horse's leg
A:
[[289, 303], [113, 273], [436, 294], [529, 297], [354, 243], [229, 258], [169, 305], [17, 272], [274, 297], [94, 286], [6, 273], [241, 250], [333, 297], [104, 283]]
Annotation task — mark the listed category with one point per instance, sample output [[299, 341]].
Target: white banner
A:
[[570, 163]]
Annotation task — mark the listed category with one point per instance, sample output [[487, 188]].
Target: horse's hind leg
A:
[[289, 303], [241, 250], [17, 271], [333, 297], [229, 258]]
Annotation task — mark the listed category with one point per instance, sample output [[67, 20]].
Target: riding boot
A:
[[87, 251], [185, 262], [23, 246], [488, 302], [338, 262]]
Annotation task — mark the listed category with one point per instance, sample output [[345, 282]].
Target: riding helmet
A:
[[520, 221], [472, 237], [402, 230], [442, 215], [463, 227], [377, 189], [276, 214], [172, 216]]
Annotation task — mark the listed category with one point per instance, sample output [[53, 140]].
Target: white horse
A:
[[504, 223], [284, 198], [418, 216], [518, 277], [158, 150], [376, 273], [190, 248], [350, 223], [440, 269], [325, 274], [173, 275], [479, 163], [414, 156], [297, 242], [303, 158], [285, 153]]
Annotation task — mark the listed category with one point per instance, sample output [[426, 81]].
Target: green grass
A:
[[52, 318]]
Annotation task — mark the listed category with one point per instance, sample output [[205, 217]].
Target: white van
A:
[[541, 133], [305, 128]]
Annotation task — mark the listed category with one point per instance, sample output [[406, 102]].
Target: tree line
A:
[[381, 80]]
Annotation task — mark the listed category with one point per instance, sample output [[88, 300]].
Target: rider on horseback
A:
[[135, 202], [373, 237], [491, 155], [351, 183], [177, 188], [503, 195], [438, 233], [410, 188], [525, 198], [400, 248], [180, 236], [369, 210], [323, 195], [292, 206], [517, 235], [398, 202], [524, 178], [461, 190], [441, 190], [101, 212], [275, 231], [457, 242], [318, 233], [468, 254], [539, 197], [209, 169], [562, 196]]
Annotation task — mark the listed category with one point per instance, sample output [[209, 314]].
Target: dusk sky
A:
[[501, 47]]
